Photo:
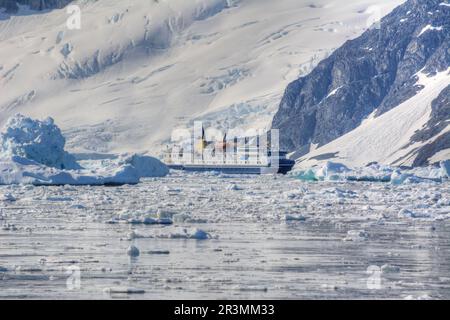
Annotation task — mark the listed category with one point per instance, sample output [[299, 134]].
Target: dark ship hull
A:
[[284, 167]]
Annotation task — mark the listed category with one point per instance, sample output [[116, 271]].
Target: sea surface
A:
[[231, 237]]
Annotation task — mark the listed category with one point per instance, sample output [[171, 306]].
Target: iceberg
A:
[[330, 171], [374, 172], [32, 152], [40, 141]]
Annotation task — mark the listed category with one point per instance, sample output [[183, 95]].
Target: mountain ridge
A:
[[366, 77]]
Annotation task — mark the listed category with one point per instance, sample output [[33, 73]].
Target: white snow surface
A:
[[32, 152], [429, 28], [386, 139], [136, 70]]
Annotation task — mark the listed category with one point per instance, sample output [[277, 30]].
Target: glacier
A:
[[136, 70]]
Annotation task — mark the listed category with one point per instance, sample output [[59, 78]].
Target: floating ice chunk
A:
[[199, 234], [186, 218], [133, 251], [405, 213], [149, 220], [387, 268], [305, 175], [371, 173], [132, 235], [233, 187], [3, 269], [7, 197], [356, 235], [330, 171], [398, 178], [183, 233], [146, 166], [164, 214]]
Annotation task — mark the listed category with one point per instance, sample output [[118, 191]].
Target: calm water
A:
[[264, 259]]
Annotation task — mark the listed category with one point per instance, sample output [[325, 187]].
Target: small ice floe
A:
[[123, 290], [398, 178], [292, 218], [133, 251], [356, 235], [58, 199], [3, 269], [172, 191], [164, 214], [405, 213], [186, 218], [388, 268], [330, 171], [161, 218], [182, 233], [233, 187], [133, 235], [7, 197]]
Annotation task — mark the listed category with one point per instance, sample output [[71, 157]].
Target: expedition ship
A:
[[240, 156]]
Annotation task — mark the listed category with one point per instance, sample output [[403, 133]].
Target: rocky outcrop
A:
[[12, 5], [368, 75]]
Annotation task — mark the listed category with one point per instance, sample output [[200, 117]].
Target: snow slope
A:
[[386, 139], [138, 69]]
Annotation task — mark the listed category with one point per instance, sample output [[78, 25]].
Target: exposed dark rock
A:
[[12, 5], [373, 73]]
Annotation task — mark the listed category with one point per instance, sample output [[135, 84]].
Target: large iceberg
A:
[[40, 141], [32, 152]]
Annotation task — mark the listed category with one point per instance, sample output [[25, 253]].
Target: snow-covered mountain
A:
[[138, 69], [13, 6], [382, 97]]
